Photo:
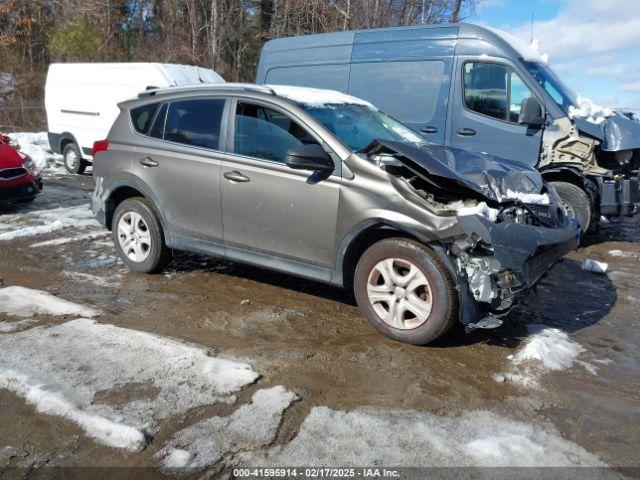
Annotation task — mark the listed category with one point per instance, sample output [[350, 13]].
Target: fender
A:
[[136, 184], [56, 140], [337, 277], [551, 171]]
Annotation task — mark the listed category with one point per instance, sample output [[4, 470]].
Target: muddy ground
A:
[[311, 339]]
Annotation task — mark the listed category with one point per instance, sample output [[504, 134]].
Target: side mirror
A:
[[531, 113], [309, 157]]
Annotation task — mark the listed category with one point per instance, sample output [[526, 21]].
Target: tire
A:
[[576, 202], [72, 159], [443, 312], [143, 248]]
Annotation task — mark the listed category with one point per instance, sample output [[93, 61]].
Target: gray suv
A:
[[323, 185]]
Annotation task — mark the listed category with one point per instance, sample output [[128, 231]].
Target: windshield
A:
[[358, 125], [564, 96]]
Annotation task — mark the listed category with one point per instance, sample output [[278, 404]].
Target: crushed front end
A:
[[508, 226]]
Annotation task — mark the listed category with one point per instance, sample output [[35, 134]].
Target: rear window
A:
[[141, 117], [195, 122]]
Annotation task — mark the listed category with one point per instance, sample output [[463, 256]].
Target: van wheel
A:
[[405, 291], [73, 161], [138, 236], [576, 202]]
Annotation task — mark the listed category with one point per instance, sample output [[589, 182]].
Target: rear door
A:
[[179, 159], [487, 96], [269, 209]]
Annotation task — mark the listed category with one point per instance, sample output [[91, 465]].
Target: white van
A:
[[82, 99]]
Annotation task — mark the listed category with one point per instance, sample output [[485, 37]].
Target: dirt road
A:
[[562, 376]]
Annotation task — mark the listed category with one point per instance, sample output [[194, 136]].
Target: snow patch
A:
[[365, 437], [26, 302], [105, 431], [251, 426], [75, 238], [528, 52], [481, 209], [531, 198], [36, 145], [547, 349], [83, 370], [32, 231], [589, 110], [9, 327], [317, 97]]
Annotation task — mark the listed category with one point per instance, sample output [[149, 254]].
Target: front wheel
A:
[[405, 291], [576, 202], [138, 236]]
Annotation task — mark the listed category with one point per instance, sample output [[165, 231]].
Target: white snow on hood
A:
[[531, 198], [67, 369], [590, 111], [529, 52], [481, 209], [366, 437], [26, 302], [317, 97]]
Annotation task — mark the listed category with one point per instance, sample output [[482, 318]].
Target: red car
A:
[[19, 177]]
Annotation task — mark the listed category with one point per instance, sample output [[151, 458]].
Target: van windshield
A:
[[564, 96], [358, 125]]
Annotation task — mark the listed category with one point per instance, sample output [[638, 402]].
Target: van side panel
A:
[[321, 61], [406, 73]]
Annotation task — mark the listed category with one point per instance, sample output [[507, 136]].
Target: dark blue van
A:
[[478, 89]]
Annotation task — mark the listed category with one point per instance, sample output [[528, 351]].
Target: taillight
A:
[[100, 146]]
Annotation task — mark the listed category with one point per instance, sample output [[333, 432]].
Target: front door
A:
[[269, 209], [485, 110]]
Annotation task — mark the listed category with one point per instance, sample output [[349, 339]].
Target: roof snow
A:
[[529, 52], [316, 97]]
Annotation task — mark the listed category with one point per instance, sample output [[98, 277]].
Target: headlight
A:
[[28, 163]]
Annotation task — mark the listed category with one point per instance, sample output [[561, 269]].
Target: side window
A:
[[494, 90], [265, 133], [157, 129], [485, 88], [195, 122], [141, 117], [517, 94]]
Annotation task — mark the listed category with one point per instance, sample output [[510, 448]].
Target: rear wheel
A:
[[73, 161], [576, 202], [138, 236], [405, 291]]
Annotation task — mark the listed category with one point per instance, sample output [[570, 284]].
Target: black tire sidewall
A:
[[158, 253], [579, 201], [444, 310], [81, 165]]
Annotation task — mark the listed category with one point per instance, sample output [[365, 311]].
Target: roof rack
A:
[[246, 87]]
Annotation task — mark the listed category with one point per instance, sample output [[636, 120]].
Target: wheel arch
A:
[[577, 178], [125, 189]]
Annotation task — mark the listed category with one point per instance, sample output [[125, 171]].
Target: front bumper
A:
[[27, 189], [619, 196], [521, 255]]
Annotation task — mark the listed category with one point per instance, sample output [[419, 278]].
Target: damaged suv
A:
[[324, 186]]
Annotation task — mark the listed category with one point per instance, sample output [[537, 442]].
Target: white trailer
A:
[[82, 99]]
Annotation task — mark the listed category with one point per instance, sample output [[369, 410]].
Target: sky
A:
[[593, 45]]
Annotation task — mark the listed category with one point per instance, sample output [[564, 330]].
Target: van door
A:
[[487, 96]]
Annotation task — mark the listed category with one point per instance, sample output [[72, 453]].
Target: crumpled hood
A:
[[486, 177], [10, 157], [616, 132]]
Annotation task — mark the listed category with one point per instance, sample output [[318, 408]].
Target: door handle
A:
[[148, 162], [235, 176], [466, 132], [429, 129]]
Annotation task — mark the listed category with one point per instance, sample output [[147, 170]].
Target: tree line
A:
[[226, 35]]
